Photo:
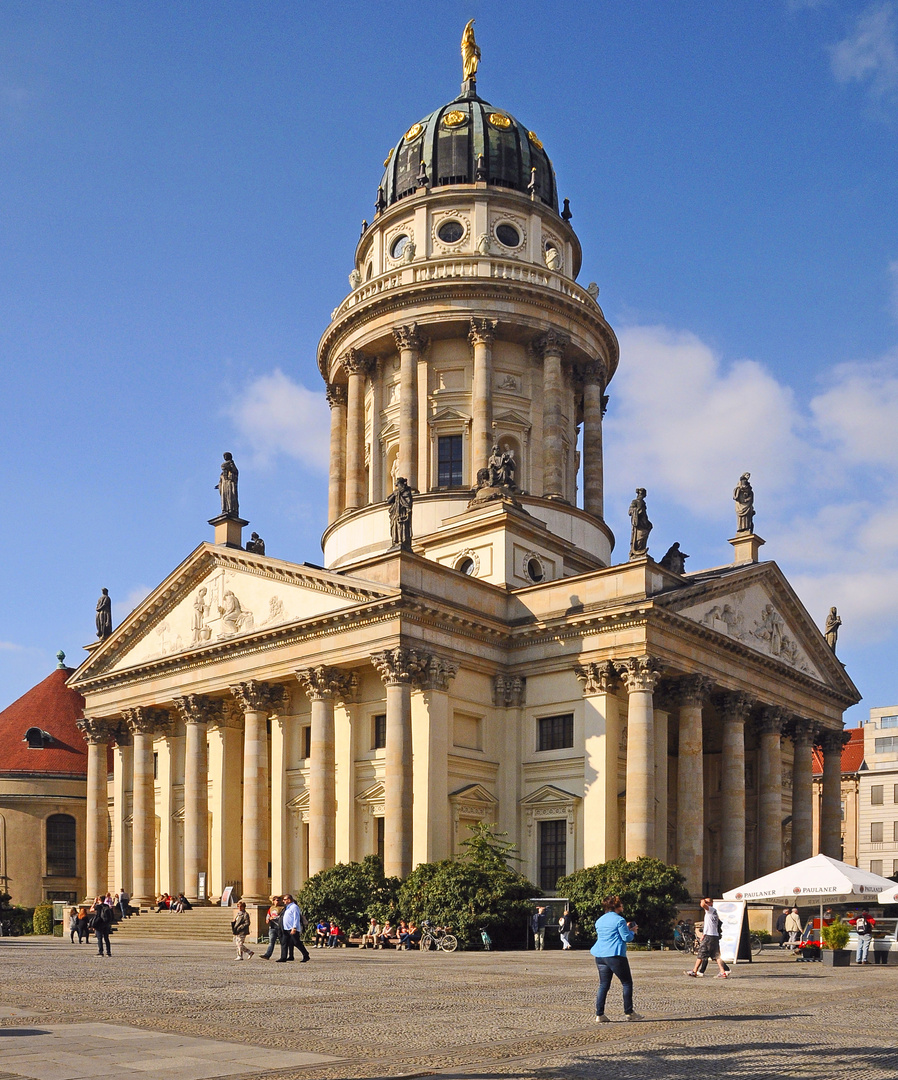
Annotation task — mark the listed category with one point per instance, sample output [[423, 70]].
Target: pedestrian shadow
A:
[[23, 1031]]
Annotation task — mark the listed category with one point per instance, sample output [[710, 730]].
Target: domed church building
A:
[[473, 651]]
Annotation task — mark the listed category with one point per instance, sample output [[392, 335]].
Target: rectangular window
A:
[[895, 793], [888, 721], [307, 741], [155, 766], [556, 732], [888, 744], [449, 461], [895, 832], [876, 795], [379, 822], [61, 846], [552, 853], [380, 732], [843, 809], [875, 832], [876, 866]]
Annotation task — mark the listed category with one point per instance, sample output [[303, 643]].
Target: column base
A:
[[745, 547]]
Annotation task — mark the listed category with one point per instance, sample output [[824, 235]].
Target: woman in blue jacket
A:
[[610, 951]]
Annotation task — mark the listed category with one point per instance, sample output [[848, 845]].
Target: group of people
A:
[[285, 923], [405, 935], [789, 927], [167, 902], [98, 919], [539, 920]]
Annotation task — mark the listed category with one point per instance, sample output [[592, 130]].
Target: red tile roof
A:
[[54, 708], [852, 753]]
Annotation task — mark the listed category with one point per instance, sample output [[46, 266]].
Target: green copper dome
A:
[[467, 141]]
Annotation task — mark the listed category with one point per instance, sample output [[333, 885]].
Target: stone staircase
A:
[[200, 924]]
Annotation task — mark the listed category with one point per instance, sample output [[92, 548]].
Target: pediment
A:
[[549, 795], [219, 595], [474, 793], [373, 794], [512, 419], [449, 414], [762, 619]]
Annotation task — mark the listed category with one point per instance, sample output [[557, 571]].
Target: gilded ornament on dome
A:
[[532, 136], [499, 120], [389, 157], [413, 132], [454, 118]]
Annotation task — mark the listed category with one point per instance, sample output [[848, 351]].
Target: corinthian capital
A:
[[833, 741], [198, 709], [437, 674], [482, 332], [356, 362], [264, 697], [97, 731], [509, 691], [639, 673], [693, 691], [592, 371], [409, 337], [772, 720], [325, 683], [734, 706], [550, 343], [148, 721], [400, 665], [596, 678], [336, 395], [803, 733]]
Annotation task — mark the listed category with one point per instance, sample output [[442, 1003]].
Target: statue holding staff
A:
[[227, 487], [641, 526], [744, 498], [831, 631]]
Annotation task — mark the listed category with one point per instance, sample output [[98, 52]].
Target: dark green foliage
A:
[[478, 890], [349, 893], [43, 919], [650, 889]]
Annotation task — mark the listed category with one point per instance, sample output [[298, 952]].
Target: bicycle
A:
[[439, 939], [685, 939], [755, 943]]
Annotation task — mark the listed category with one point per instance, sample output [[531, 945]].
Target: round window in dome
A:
[[398, 246], [508, 235], [466, 566], [450, 232], [535, 570]]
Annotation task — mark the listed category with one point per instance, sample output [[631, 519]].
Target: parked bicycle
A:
[[436, 937], [685, 939]]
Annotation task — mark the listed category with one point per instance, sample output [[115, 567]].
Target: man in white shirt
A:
[[709, 949], [291, 932]]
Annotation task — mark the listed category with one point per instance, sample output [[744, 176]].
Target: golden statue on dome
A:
[[470, 53]]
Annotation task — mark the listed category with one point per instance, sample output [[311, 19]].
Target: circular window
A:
[[508, 235], [535, 570], [466, 566], [399, 245], [450, 232]]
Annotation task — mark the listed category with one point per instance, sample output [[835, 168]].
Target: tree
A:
[[650, 889], [349, 893]]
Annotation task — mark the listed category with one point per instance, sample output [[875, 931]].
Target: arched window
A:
[[61, 846]]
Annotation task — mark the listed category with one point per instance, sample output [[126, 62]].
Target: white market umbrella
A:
[[889, 895], [821, 879]]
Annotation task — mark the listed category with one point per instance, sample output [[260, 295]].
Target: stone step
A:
[[200, 924]]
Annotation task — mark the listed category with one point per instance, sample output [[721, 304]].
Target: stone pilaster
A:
[[481, 337], [550, 346], [640, 675], [336, 488], [431, 736], [357, 367], [258, 700], [602, 731], [831, 801], [323, 685], [410, 344], [733, 708], [770, 783], [693, 692], [143, 724], [593, 375], [97, 734], [399, 668], [803, 733], [196, 711]]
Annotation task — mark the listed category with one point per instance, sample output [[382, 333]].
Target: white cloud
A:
[[279, 416], [11, 646], [869, 54], [825, 470]]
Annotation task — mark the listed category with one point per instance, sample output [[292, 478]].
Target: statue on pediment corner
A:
[[104, 615]]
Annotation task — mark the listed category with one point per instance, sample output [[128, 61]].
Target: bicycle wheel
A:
[[680, 942], [755, 943], [426, 943], [448, 943]]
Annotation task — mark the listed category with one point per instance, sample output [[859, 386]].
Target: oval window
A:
[[399, 245], [450, 232], [508, 235], [466, 566], [534, 570]]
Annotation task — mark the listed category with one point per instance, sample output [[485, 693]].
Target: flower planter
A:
[[836, 957]]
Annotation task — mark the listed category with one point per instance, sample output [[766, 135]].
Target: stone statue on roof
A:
[[104, 616], [227, 487], [640, 526], [399, 502], [744, 497], [831, 631]]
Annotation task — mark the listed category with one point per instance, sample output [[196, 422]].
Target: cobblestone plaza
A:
[[184, 1011]]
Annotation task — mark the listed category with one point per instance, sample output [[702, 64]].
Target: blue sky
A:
[[181, 191]]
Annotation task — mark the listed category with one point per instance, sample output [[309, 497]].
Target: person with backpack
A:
[[100, 922], [709, 948], [293, 925], [863, 924]]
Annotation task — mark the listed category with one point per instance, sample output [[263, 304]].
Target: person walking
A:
[[781, 927], [538, 926], [793, 928], [709, 947], [292, 925], [101, 922], [565, 926], [240, 928], [273, 922], [73, 925], [610, 951]]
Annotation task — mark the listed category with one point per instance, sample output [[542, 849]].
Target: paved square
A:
[[178, 1011]]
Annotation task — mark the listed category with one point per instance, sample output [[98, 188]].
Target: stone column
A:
[[143, 723], [640, 674], [803, 735], [661, 721], [551, 346], [509, 696], [196, 712], [431, 727], [481, 336], [258, 700], [593, 469], [602, 728], [733, 709], [226, 777], [770, 802], [398, 668], [336, 490], [410, 344], [97, 734], [121, 814], [693, 692], [357, 367], [831, 802], [323, 685]]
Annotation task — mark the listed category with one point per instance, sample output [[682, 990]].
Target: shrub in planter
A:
[[43, 919], [835, 936]]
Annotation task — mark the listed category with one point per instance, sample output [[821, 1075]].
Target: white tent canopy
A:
[[889, 895], [817, 880]]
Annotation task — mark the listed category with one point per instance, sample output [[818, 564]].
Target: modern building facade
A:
[[270, 717], [877, 817]]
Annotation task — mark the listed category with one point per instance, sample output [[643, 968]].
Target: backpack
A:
[[862, 926], [302, 922]]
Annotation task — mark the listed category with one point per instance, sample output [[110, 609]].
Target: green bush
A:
[[835, 936], [43, 919], [349, 893], [650, 889]]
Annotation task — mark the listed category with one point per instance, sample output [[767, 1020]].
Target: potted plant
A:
[[835, 938], [808, 950]]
